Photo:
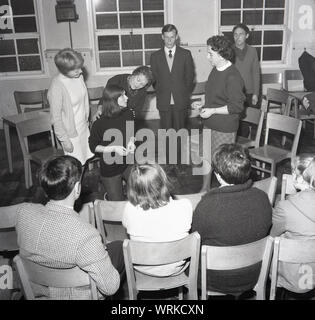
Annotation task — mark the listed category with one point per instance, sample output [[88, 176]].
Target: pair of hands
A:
[[204, 113], [122, 151]]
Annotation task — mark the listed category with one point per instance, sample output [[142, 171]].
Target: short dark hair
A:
[[59, 175], [68, 59], [222, 46], [110, 106], [232, 163], [148, 186], [146, 71], [168, 28], [241, 26]]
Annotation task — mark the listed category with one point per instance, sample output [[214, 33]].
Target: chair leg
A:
[[273, 170], [26, 174], [314, 129]]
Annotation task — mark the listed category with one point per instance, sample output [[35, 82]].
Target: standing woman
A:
[[224, 100], [247, 63], [69, 105]]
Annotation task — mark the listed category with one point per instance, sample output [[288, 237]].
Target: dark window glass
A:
[[252, 17], [229, 35], [153, 5], [109, 59], [230, 4], [274, 17], [130, 20], [108, 43], [105, 5], [22, 7], [132, 59], [8, 64], [254, 38], [106, 21], [230, 18], [4, 2], [275, 4], [129, 5], [25, 24], [131, 42], [272, 53], [153, 20], [147, 57], [26, 46], [7, 47], [30, 63], [253, 4], [7, 25], [152, 41], [273, 37]]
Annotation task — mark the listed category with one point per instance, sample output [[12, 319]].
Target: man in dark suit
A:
[[173, 73]]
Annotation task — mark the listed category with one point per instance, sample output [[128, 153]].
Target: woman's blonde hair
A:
[[304, 165]]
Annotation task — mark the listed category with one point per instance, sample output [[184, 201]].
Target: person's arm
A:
[[256, 77], [189, 72], [278, 220]]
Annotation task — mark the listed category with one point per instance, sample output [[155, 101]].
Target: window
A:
[[265, 18], [19, 38], [127, 31]]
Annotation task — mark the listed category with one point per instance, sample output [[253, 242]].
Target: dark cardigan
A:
[[228, 216]]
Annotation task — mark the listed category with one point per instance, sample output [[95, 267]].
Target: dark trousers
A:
[[173, 118]]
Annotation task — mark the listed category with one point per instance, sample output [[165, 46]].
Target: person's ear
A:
[[77, 189], [247, 35]]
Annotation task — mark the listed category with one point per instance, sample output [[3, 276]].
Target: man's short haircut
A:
[[148, 186], [110, 106], [59, 176], [67, 60], [169, 28], [222, 46], [241, 26], [146, 71], [232, 163]]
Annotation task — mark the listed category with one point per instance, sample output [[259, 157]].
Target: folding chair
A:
[[269, 186], [30, 98]]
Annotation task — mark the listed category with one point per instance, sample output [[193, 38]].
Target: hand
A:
[[97, 114], [196, 105], [67, 146], [306, 103], [131, 147], [254, 100], [207, 112], [122, 151]]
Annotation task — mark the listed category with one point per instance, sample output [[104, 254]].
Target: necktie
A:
[[170, 53]]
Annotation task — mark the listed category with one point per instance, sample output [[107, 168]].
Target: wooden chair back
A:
[[269, 186], [87, 213], [31, 272], [30, 98], [194, 198], [95, 94], [235, 257], [278, 99], [293, 80], [287, 186], [271, 80], [160, 253]]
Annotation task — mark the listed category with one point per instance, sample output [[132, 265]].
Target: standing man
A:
[[173, 72]]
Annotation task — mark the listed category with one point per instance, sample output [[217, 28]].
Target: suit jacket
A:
[[307, 67], [179, 81]]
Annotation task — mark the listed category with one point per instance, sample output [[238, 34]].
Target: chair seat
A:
[[9, 239], [43, 155], [269, 154], [245, 142]]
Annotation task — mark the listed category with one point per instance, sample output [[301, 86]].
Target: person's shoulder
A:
[[183, 50], [157, 53], [183, 202]]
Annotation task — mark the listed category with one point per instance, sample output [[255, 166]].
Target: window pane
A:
[[274, 17], [129, 5], [26, 46], [147, 57], [131, 42], [108, 43], [152, 20], [229, 4], [25, 24], [132, 59], [253, 4], [109, 59], [106, 21], [273, 37], [4, 2], [230, 18], [105, 5], [30, 63], [254, 38], [8, 64], [153, 5], [22, 7], [253, 17], [152, 41], [272, 53], [130, 20], [7, 47], [275, 4]]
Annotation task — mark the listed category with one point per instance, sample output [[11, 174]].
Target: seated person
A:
[[54, 235], [233, 214], [294, 218], [152, 215], [308, 102]]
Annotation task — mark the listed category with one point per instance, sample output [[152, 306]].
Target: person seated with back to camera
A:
[[233, 214], [55, 236], [153, 215]]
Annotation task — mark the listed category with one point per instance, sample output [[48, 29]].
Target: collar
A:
[[167, 50], [60, 208], [235, 188], [228, 64]]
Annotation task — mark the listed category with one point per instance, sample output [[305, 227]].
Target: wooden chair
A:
[[274, 155], [253, 117], [108, 215], [290, 251], [269, 186], [30, 98], [278, 99], [159, 253], [287, 186], [271, 80], [87, 213], [234, 257], [31, 127], [194, 198], [293, 80], [31, 272], [95, 94]]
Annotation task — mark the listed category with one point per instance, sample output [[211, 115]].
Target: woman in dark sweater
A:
[[224, 99], [109, 136]]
